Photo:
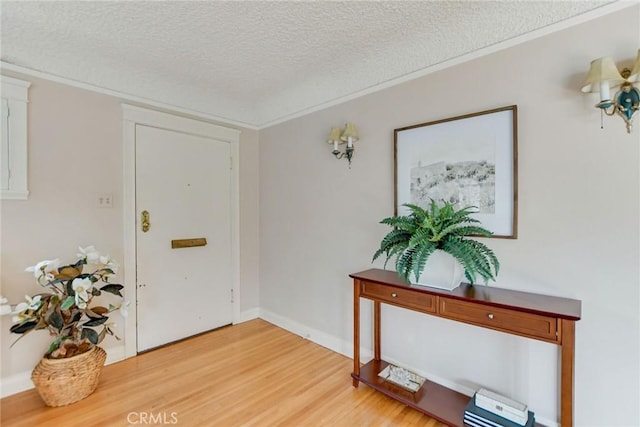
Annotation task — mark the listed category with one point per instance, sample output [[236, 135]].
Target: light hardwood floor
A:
[[252, 374]]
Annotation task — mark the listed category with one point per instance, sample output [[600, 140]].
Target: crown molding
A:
[[541, 32], [128, 97]]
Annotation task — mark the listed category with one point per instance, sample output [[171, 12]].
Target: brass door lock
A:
[[145, 221]]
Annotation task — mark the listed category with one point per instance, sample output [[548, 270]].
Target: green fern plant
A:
[[417, 235]]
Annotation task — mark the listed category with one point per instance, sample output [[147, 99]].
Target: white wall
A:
[[578, 222], [75, 154]]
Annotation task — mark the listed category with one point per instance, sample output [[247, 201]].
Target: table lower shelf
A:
[[434, 400]]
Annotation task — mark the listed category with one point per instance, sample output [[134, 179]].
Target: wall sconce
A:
[[338, 136], [604, 75]]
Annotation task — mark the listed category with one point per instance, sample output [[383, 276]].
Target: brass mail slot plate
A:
[[188, 243]]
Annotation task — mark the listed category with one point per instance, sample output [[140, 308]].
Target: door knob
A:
[[145, 221]]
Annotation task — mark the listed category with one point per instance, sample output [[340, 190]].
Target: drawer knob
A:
[[490, 315], [394, 295]]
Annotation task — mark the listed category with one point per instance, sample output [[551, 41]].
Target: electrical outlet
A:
[[105, 200]]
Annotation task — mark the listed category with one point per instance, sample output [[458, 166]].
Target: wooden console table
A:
[[540, 317]]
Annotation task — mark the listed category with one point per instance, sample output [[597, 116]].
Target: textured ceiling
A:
[[256, 62]]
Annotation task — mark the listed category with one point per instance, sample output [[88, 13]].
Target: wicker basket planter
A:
[[63, 381]]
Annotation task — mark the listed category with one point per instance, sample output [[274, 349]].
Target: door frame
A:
[[132, 116]]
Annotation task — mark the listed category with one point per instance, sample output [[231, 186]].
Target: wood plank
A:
[[252, 374]]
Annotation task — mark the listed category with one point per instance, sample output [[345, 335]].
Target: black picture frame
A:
[[469, 160]]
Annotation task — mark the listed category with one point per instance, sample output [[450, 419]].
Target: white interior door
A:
[[183, 182]]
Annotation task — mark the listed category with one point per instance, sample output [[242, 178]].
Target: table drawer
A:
[[402, 297], [515, 322]]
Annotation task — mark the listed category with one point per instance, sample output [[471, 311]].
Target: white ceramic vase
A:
[[441, 271]]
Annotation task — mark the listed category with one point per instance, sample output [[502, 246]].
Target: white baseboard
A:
[[546, 421], [16, 383], [250, 314], [22, 381], [115, 354], [329, 341]]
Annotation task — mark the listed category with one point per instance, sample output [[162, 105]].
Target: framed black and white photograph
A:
[[469, 160]]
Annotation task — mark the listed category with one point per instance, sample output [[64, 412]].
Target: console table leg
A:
[[376, 330], [567, 372], [356, 331]]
